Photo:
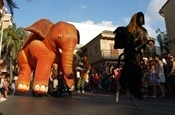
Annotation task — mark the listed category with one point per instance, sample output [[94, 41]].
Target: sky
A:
[[108, 13]]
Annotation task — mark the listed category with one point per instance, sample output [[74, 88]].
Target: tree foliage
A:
[[162, 39], [12, 41]]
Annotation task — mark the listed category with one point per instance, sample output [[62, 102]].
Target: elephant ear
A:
[[41, 27]]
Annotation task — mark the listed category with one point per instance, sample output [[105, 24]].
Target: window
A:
[[113, 51], [96, 49]]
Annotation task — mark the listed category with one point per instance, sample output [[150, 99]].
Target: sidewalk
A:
[[5, 99]]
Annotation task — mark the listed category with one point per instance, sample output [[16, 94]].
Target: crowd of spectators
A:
[[5, 86], [159, 76]]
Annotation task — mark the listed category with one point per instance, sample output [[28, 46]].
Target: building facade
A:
[[101, 53], [7, 21], [167, 11]]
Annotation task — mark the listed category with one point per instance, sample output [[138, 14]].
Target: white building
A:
[[167, 11], [89, 32]]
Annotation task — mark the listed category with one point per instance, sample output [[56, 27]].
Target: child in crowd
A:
[[160, 74], [145, 81], [95, 82], [116, 76], [152, 78]]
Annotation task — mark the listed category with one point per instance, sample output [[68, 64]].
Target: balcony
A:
[[7, 20], [110, 54]]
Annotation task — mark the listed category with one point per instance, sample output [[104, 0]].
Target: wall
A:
[[169, 15]]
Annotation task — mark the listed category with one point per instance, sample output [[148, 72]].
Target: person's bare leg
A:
[[118, 90]]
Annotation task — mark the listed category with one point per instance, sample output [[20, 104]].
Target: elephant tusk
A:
[[60, 50]]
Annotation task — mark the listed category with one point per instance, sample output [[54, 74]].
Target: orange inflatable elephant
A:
[[47, 43]]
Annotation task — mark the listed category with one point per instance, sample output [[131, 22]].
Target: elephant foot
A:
[[40, 89], [23, 88]]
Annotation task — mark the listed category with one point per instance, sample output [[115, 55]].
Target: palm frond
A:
[[11, 5]]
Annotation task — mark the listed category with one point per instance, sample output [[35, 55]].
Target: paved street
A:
[[85, 104]]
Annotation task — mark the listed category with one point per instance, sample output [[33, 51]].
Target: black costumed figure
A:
[[133, 39]]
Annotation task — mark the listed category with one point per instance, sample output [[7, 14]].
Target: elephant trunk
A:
[[67, 63]]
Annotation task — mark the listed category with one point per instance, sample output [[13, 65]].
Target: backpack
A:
[[121, 37]]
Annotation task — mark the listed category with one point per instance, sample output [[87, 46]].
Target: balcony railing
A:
[[110, 53]]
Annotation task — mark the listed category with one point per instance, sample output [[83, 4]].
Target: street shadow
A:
[[1, 113]]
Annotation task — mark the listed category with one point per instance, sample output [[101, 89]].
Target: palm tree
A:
[[162, 39], [9, 3], [13, 38], [12, 41]]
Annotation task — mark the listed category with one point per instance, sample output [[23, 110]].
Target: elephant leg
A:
[[45, 59], [23, 82]]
